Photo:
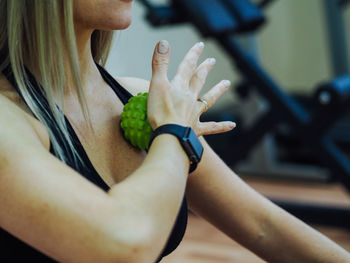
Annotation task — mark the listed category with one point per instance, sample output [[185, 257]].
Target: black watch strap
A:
[[188, 140]]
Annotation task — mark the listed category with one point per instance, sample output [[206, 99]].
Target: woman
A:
[[60, 113]]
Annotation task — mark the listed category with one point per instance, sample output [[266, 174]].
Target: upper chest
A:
[[112, 157]]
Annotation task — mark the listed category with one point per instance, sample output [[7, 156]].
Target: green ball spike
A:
[[134, 122]]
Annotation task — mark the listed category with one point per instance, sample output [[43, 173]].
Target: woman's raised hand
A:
[[177, 101]]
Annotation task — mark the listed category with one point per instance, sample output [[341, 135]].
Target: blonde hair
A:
[[37, 34]]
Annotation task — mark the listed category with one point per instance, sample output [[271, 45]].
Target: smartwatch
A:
[[188, 140]]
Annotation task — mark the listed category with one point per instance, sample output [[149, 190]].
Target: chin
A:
[[123, 21], [124, 24], [107, 17]]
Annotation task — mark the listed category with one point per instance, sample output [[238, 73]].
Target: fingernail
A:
[[212, 61], [232, 124], [226, 83], [201, 44], [163, 47]]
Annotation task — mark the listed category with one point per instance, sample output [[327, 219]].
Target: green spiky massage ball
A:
[[134, 123]]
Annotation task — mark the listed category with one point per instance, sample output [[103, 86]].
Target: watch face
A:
[[193, 145]]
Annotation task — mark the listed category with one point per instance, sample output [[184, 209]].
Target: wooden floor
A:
[[203, 243]]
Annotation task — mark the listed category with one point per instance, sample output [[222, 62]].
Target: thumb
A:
[[160, 60]]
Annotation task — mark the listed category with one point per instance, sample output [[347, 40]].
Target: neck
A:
[[87, 65]]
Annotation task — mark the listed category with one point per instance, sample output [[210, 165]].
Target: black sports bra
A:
[[13, 249]]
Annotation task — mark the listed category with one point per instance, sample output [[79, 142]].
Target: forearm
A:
[[154, 192], [300, 242], [220, 196]]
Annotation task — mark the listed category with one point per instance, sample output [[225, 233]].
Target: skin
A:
[[132, 221]]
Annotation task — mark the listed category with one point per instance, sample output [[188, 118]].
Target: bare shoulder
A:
[[17, 129], [16, 117], [134, 85]]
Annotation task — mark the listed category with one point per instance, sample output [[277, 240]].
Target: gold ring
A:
[[205, 102]]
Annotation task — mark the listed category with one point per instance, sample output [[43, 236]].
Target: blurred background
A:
[[292, 45], [290, 97]]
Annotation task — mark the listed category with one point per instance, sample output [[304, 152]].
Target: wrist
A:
[[188, 141], [175, 150], [155, 123]]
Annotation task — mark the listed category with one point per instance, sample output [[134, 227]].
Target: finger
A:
[[199, 77], [189, 63], [212, 127], [160, 60], [213, 94]]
